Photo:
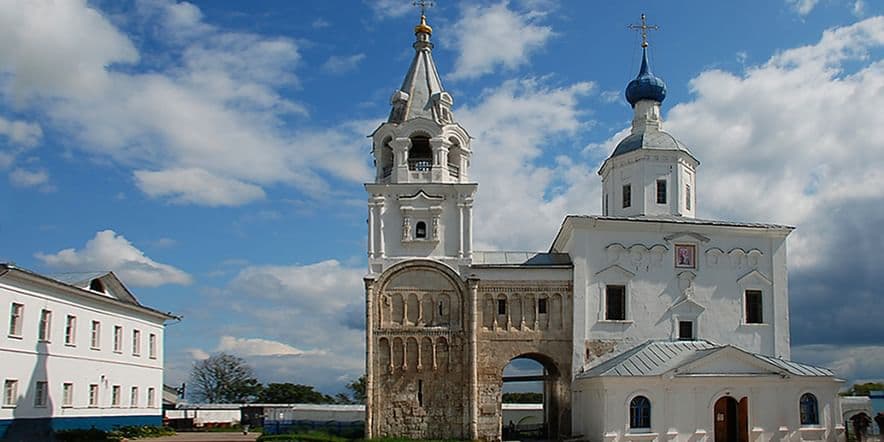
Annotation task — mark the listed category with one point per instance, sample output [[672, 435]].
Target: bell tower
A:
[[421, 201]]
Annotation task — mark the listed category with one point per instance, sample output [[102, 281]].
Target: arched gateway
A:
[[438, 345]]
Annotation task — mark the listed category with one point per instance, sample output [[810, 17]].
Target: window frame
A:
[[70, 331], [16, 319], [687, 193], [44, 330], [693, 334], [41, 394], [10, 393], [152, 346], [94, 395], [133, 397], [151, 397], [623, 309], [67, 394], [626, 196], [418, 232], [136, 342], [95, 338], [116, 392], [118, 339], [663, 188], [804, 415], [748, 306], [640, 422]]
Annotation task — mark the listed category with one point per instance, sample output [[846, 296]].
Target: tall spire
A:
[[421, 94]]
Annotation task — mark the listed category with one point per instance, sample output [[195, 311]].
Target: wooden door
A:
[[724, 414]]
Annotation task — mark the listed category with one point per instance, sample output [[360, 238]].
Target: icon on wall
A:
[[686, 256]]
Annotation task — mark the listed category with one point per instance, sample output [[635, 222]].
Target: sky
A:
[[212, 153]]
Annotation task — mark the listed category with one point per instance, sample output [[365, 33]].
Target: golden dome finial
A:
[[423, 27]]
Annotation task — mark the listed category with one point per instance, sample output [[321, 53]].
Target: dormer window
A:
[[96, 285], [420, 230]]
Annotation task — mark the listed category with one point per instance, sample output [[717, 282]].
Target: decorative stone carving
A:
[[637, 257]]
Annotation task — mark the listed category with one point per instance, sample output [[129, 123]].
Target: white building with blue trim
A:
[[77, 351]]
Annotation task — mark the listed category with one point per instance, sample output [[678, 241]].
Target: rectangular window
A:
[[606, 205], [753, 307], [661, 191], [627, 196], [541, 306], [118, 339], [96, 335], [15, 319], [152, 344], [115, 396], [685, 330], [136, 342], [45, 325], [67, 396], [10, 392], [40, 393], [133, 397], [70, 330], [501, 306], [687, 196], [151, 397], [93, 395], [615, 303]]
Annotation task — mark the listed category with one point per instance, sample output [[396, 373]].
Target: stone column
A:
[[369, 356], [468, 228], [460, 220], [400, 158], [440, 159], [473, 285]]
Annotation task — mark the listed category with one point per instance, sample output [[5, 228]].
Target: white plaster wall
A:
[[653, 287], [682, 408], [28, 360]]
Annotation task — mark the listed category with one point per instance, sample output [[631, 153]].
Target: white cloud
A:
[[260, 347], [513, 123], [391, 8], [859, 8], [488, 37], [802, 7], [213, 109], [21, 133], [857, 363], [110, 251], [25, 178], [790, 138], [198, 354], [339, 64], [196, 186]]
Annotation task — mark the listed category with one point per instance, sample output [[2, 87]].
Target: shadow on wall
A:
[[25, 427]]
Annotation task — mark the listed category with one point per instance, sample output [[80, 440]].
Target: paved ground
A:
[[207, 437]]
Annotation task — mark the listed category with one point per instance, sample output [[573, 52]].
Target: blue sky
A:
[[212, 153]]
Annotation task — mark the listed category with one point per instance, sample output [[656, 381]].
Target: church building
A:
[[651, 324]]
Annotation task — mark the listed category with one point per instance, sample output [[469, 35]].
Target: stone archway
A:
[[553, 384]]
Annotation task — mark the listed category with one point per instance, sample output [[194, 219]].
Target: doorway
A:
[[530, 399], [731, 419]]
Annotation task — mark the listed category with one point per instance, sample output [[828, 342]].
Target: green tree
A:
[[863, 389], [288, 393], [357, 390], [522, 398], [223, 378]]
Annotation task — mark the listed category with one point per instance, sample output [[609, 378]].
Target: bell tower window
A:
[[420, 230], [420, 157]]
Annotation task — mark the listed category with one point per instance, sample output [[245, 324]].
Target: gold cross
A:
[[424, 4], [644, 27]]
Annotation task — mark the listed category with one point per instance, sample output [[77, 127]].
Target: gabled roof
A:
[[686, 358], [78, 284]]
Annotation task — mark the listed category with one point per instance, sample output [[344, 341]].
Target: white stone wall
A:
[[640, 170], [28, 360], [639, 256], [682, 408]]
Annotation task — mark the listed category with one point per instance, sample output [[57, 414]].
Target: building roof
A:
[[521, 259], [646, 85], [422, 86], [682, 220], [78, 284], [654, 140], [655, 358]]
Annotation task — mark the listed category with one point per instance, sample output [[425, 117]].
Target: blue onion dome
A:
[[646, 86]]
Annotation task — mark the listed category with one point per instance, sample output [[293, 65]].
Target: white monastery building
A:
[[651, 324], [77, 351]]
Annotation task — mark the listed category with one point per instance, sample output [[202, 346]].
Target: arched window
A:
[[810, 413], [420, 156], [640, 413], [420, 230]]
